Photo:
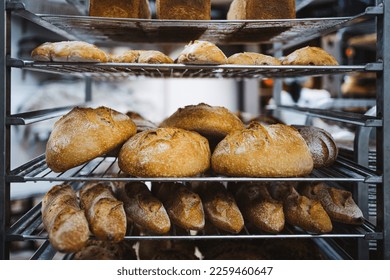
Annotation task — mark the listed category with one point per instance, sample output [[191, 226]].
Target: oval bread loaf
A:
[[84, 134], [105, 214], [263, 151], [321, 145], [201, 52], [165, 152], [310, 56], [251, 58], [64, 220]]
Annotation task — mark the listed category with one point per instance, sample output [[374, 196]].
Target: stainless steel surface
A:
[[136, 70], [106, 169], [345, 117]]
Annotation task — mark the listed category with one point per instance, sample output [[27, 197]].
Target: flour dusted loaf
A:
[[321, 144], [220, 207], [338, 203], [201, 52], [63, 219], [184, 207], [251, 58], [69, 51], [84, 134], [165, 152], [263, 151], [105, 214], [264, 9], [120, 8], [183, 9], [259, 208], [141, 56], [143, 208], [212, 122], [310, 56]]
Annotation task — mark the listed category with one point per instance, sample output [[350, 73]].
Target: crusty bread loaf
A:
[[184, 207], [120, 8], [201, 52], [251, 58], [306, 213], [105, 214], [338, 203], [220, 207], [165, 152], [154, 57], [264, 9], [63, 219], [69, 51], [130, 56], [259, 208], [263, 151], [84, 134], [183, 9], [212, 122], [321, 144], [310, 56], [142, 208]]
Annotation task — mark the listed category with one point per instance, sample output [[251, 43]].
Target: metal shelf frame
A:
[[286, 33]]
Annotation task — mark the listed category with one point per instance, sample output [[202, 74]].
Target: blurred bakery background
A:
[[156, 99]]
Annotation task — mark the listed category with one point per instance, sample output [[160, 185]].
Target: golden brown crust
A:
[[165, 152], [250, 58], [263, 151], [310, 56], [105, 214], [321, 144], [212, 122], [259, 208], [183, 9], [306, 213], [201, 52], [143, 208], [220, 207], [130, 56], [84, 134], [63, 219], [339, 204], [184, 207], [120, 8], [265, 9], [69, 51], [154, 57]]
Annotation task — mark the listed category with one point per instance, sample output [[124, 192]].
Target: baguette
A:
[[63, 219], [259, 208], [143, 208], [184, 207], [220, 207], [105, 214]]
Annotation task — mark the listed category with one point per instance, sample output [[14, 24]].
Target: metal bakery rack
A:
[[282, 34]]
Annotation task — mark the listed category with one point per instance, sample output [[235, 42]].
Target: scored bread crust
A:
[[63, 219], [263, 151], [212, 122], [310, 56], [183, 9], [165, 152], [69, 51], [201, 52], [321, 145], [251, 58], [84, 134], [105, 214]]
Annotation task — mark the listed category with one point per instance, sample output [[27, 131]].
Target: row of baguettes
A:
[[192, 9], [196, 52], [105, 210]]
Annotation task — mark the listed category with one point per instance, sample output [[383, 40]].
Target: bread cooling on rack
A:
[[310, 56], [201, 52], [84, 134], [69, 51], [120, 8], [264, 9], [183, 9], [141, 56], [251, 58]]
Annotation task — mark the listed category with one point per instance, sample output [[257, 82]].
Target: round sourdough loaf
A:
[[165, 152], [84, 134], [251, 58], [310, 56], [263, 151], [212, 122], [201, 52]]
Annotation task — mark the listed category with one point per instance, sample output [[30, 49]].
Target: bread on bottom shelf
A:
[[63, 219], [105, 214]]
